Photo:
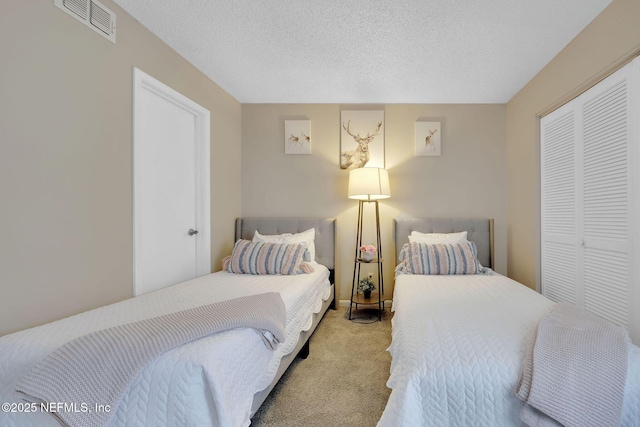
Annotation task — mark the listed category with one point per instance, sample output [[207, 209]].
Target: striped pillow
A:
[[442, 258], [266, 258]]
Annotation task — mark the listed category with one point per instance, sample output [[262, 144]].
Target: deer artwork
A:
[[294, 140], [427, 140], [359, 157]]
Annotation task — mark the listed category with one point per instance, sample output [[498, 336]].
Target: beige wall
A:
[[468, 180], [610, 38], [65, 158]]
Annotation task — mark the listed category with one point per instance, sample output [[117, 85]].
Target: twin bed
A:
[[221, 379], [459, 341]]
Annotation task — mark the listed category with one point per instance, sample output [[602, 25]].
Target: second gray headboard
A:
[[479, 231]]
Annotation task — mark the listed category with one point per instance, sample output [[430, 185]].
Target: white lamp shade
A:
[[369, 184]]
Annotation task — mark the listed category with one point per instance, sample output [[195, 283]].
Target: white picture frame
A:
[[297, 137], [428, 139]]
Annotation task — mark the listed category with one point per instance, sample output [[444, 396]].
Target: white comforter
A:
[[458, 346], [207, 382]]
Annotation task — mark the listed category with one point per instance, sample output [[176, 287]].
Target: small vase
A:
[[367, 294], [367, 257]]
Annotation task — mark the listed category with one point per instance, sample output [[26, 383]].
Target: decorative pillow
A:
[[450, 258], [433, 238], [266, 258], [307, 238]]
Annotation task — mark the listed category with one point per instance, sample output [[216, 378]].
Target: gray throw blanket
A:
[[99, 367], [575, 371]]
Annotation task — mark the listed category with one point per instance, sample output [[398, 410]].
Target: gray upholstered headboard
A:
[[479, 231], [325, 232]]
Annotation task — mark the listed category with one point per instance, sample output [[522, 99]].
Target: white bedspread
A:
[[458, 346], [207, 382]]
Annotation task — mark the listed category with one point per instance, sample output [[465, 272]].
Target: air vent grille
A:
[[93, 14], [100, 18], [79, 7]]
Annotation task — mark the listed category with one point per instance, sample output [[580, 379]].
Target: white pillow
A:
[[306, 237], [270, 238], [434, 238]]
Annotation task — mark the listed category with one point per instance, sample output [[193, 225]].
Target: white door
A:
[[171, 186], [560, 203], [590, 199]]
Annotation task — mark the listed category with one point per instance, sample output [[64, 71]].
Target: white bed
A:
[[218, 380], [459, 343]]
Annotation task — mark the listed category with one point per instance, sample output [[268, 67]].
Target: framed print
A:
[[362, 139], [428, 139], [297, 137]]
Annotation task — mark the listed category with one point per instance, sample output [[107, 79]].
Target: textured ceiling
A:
[[367, 51]]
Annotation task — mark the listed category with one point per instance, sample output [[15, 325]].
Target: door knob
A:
[[191, 232]]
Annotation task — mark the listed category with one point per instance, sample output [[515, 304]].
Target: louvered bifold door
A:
[[590, 200], [606, 198], [560, 231]]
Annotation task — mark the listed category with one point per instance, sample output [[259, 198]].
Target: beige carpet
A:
[[342, 382]]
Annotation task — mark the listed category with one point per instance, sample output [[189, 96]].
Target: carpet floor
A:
[[342, 382]]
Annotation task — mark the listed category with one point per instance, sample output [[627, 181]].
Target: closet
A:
[[590, 200]]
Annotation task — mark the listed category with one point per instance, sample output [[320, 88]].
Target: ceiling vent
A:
[[93, 14]]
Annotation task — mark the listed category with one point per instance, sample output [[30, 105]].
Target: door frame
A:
[[144, 82]]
